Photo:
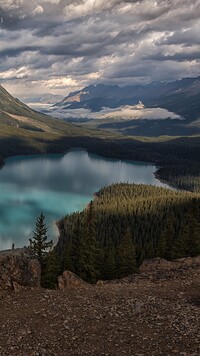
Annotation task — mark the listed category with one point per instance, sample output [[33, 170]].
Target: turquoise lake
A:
[[56, 185]]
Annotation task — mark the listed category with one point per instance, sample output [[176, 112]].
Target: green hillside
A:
[[149, 221], [16, 114], [25, 131]]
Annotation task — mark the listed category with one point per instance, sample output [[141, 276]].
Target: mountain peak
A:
[[167, 95]]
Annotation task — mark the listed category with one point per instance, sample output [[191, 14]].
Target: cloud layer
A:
[[125, 112], [62, 45]]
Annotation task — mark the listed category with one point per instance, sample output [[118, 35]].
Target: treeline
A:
[[126, 224], [177, 159], [183, 174]]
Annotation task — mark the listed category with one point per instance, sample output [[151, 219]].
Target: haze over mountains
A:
[[26, 131], [181, 97], [176, 103], [16, 115], [149, 110]]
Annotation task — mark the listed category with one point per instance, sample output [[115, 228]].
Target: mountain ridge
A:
[[26, 131], [162, 94], [15, 114], [171, 108]]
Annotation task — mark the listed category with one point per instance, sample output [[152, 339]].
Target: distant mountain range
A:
[[42, 102], [181, 97], [145, 110], [176, 104], [25, 131]]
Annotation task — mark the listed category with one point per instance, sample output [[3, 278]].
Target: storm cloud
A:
[[58, 46]]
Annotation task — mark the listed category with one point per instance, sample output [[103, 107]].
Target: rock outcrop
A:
[[18, 269], [159, 267], [69, 279]]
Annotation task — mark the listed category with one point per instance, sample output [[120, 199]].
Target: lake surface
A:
[[56, 185]]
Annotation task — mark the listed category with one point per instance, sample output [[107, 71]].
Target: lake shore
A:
[[58, 185]]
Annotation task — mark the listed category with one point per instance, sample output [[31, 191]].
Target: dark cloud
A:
[[14, 52], [178, 57], [62, 45], [184, 38]]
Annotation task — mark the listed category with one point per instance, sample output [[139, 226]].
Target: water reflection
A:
[[56, 185]]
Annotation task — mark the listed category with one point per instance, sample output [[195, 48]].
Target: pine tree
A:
[[126, 256], [51, 270], [39, 244], [165, 243], [109, 263], [162, 242], [67, 258], [88, 263], [75, 248], [188, 242], [170, 232]]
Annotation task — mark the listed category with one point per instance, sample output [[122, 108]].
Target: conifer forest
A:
[[126, 224]]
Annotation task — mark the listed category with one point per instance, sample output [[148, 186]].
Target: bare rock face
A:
[[159, 264], [18, 269], [69, 279]]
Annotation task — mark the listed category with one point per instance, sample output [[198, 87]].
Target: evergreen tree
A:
[[193, 247], [67, 258], [165, 222], [51, 270], [170, 234], [162, 242], [188, 242], [126, 256], [165, 243], [76, 248], [39, 244], [89, 249], [109, 263]]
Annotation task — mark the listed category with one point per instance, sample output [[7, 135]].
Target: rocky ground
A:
[[151, 314]]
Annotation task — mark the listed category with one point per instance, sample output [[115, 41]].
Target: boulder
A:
[[70, 279], [18, 269]]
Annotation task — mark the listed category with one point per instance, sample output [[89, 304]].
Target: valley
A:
[[153, 109], [99, 178], [25, 131]]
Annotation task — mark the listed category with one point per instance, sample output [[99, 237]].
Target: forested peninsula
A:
[[126, 224]]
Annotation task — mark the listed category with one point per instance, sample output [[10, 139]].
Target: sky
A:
[[59, 46]]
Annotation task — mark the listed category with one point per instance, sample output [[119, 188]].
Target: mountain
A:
[[16, 114], [167, 108], [24, 130], [181, 96], [41, 102], [43, 99]]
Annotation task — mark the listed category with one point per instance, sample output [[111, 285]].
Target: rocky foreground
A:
[[154, 313]]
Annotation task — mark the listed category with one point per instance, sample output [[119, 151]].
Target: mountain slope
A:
[[25, 131], [168, 108], [18, 115], [181, 96]]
